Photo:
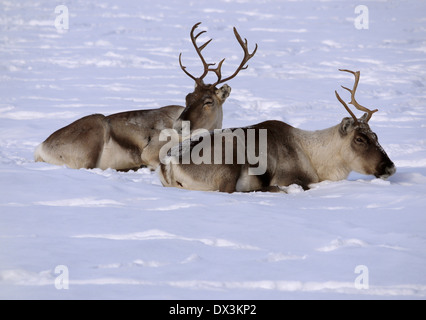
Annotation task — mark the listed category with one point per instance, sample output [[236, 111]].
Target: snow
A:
[[124, 236]]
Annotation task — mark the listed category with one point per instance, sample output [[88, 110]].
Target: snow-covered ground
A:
[[122, 235]]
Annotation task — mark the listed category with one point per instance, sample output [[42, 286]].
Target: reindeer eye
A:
[[359, 140], [208, 102]]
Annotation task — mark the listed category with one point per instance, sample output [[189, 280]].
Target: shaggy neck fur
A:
[[324, 149]]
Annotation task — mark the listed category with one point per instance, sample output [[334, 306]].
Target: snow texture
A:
[[124, 236]]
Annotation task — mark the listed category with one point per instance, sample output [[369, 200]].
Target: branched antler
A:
[[247, 57], [198, 49], [353, 100], [218, 69]]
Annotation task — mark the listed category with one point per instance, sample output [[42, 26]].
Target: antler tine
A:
[[204, 45], [198, 49], [353, 100], [217, 71], [346, 107], [184, 68], [247, 57]]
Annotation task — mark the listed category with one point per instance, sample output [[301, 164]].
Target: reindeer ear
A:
[[364, 117], [346, 126], [224, 92]]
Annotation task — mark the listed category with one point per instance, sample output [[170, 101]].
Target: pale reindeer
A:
[[289, 155], [130, 140]]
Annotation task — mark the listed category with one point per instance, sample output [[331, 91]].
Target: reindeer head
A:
[[203, 108], [362, 152]]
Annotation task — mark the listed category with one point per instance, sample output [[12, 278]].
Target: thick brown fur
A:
[[294, 156]]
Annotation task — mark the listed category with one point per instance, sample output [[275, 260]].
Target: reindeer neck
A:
[[323, 148], [219, 119]]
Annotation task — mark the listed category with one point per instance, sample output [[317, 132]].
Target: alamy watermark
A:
[[220, 146], [362, 282], [62, 18], [362, 21], [63, 279]]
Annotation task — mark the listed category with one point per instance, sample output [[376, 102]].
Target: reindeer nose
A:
[[387, 169], [391, 170]]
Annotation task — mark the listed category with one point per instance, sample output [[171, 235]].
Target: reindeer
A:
[[130, 140], [290, 155]]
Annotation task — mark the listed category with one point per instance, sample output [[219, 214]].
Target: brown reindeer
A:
[[129, 140], [285, 155]]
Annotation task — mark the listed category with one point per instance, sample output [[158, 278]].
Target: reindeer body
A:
[[121, 141], [294, 156], [285, 160]]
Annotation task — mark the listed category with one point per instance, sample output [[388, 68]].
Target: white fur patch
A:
[[40, 155]]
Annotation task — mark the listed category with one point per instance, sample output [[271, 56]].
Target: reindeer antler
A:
[[198, 49], [246, 58], [218, 69], [353, 100]]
